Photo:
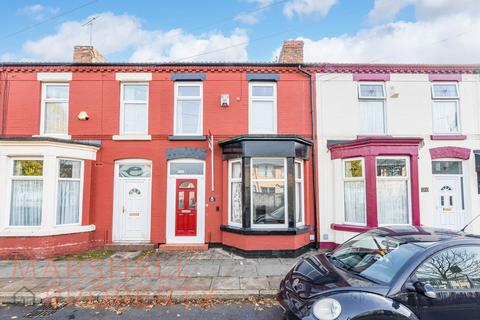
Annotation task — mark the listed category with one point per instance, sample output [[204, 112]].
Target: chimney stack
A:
[[292, 52], [87, 54]]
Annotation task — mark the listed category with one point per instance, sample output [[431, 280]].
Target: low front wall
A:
[[266, 242], [45, 246]]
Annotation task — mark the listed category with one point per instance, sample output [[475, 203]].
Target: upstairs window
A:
[[446, 118], [372, 108], [354, 191], [134, 109], [262, 108], [188, 108], [54, 120]]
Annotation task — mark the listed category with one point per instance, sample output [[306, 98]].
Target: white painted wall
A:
[[408, 115]]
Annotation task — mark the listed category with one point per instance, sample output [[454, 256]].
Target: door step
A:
[[121, 246], [183, 247]]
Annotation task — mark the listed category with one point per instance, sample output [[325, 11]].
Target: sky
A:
[[341, 31]]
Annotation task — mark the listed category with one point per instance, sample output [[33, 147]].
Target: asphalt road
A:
[[220, 311]]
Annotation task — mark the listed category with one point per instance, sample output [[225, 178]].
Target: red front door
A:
[[186, 208]]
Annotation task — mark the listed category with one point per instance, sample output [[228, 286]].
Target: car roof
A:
[[423, 236]]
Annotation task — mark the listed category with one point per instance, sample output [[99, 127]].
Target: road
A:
[[219, 311]]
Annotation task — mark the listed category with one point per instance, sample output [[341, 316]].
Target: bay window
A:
[[299, 200], [54, 120], [69, 192], [446, 118], [134, 109], [235, 191], [392, 191], [26, 192], [354, 191], [262, 108], [188, 108], [372, 108]]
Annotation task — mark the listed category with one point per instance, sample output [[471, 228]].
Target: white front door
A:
[[132, 203], [448, 204]]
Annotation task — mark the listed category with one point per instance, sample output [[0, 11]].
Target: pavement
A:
[[159, 277]]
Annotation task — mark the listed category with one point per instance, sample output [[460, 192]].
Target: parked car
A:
[[399, 272]]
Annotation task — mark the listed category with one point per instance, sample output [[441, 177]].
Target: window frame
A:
[[252, 99], [57, 181], [409, 187], [44, 102], [382, 99], [122, 108], [285, 194], [300, 181], [364, 180], [455, 99], [11, 178], [433, 84], [191, 98], [232, 180]]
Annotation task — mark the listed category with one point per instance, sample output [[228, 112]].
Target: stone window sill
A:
[[448, 137], [42, 232], [349, 227], [187, 138], [271, 232], [125, 137]]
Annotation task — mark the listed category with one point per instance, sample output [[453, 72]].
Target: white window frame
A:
[[301, 181], [455, 99], [232, 180], [43, 107], [285, 194], [251, 99], [196, 98], [122, 108], [81, 179], [356, 179], [12, 178], [409, 187], [377, 99]]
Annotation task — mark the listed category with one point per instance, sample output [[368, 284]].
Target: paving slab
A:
[[200, 270], [226, 283], [254, 283]]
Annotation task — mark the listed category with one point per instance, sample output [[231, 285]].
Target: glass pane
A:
[[446, 167], [445, 117], [26, 203], [191, 200], [372, 120], [298, 202], [236, 170], [392, 201], [181, 200], [354, 202], [70, 169], [56, 92], [189, 91], [28, 168], [262, 117], [298, 171], [186, 168], [135, 118], [262, 91], [135, 92], [391, 167], [188, 117], [268, 202], [445, 91], [236, 203], [353, 169], [268, 169], [134, 170], [187, 185], [68, 202], [56, 118], [371, 90]]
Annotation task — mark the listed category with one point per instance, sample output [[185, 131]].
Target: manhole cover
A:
[[41, 312]]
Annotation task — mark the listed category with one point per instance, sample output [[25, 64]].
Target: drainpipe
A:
[[3, 109], [314, 164]]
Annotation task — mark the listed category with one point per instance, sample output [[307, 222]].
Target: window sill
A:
[[448, 137], [350, 228], [56, 136], [39, 232], [187, 138], [127, 137], [269, 232]]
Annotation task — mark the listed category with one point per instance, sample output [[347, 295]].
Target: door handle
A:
[[123, 209]]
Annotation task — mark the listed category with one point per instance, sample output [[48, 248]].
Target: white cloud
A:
[[38, 11], [254, 16], [145, 45], [308, 7], [7, 57]]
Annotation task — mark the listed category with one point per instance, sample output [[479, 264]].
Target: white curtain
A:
[[445, 117], [135, 118], [392, 201], [26, 203], [188, 116], [236, 201], [55, 117], [372, 117], [68, 202], [354, 196], [262, 117]]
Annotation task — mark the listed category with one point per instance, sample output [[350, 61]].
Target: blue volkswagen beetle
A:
[[394, 273]]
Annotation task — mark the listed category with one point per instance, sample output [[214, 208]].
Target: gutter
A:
[[314, 163]]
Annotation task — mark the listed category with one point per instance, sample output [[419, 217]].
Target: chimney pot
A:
[[292, 52], [87, 54]]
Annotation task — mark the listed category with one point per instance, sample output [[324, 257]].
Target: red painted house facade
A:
[[187, 154]]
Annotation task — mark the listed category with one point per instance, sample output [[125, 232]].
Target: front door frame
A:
[[171, 238], [117, 206]]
